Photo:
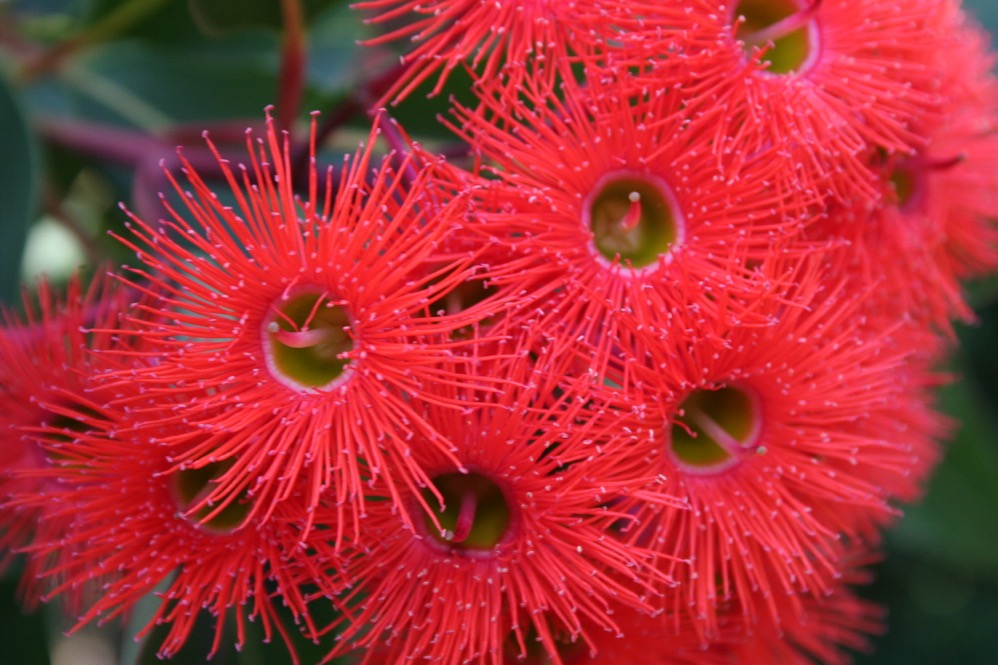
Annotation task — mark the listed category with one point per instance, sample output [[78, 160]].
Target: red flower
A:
[[787, 441], [614, 208], [967, 140], [298, 329], [503, 38], [937, 207], [139, 526], [822, 80], [644, 639], [46, 367], [513, 544], [824, 628]]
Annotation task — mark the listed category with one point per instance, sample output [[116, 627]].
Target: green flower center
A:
[[475, 517], [633, 218], [305, 340], [192, 486], [908, 177], [714, 428], [905, 184], [788, 25]]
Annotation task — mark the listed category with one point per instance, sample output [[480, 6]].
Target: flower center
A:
[[908, 178], [714, 429], [305, 340], [634, 219], [191, 486], [786, 27], [476, 515], [904, 183]]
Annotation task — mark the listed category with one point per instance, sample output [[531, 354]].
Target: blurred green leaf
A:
[[936, 614], [195, 649], [950, 525], [983, 292], [276, 651], [23, 637], [166, 21], [220, 16], [986, 12], [19, 176], [335, 59], [255, 650], [151, 85], [419, 112]]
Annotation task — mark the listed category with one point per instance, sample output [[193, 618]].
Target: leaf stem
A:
[[293, 63]]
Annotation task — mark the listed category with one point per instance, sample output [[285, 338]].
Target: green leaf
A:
[[23, 637], [220, 16], [255, 650], [986, 11], [334, 56], [982, 292], [950, 526], [195, 649], [419, 113], [258, 652], [19, 186], [151, 86]]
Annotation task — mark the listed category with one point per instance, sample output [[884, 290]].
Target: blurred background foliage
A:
[[94, 94]]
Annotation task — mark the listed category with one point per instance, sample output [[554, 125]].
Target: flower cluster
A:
[[643, 382]]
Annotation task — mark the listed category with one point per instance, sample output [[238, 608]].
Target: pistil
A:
[[465, 518], [711, 428], [302, 339], [782, 28], [630, 221]]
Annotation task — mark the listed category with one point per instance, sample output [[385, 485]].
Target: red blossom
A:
[[933, 225], [824, 628], [139, 527], [46, 368], [522, 549], [612, 207], [787, 440], [642, 387], [501, 39], [820, 80], [296, 332]]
